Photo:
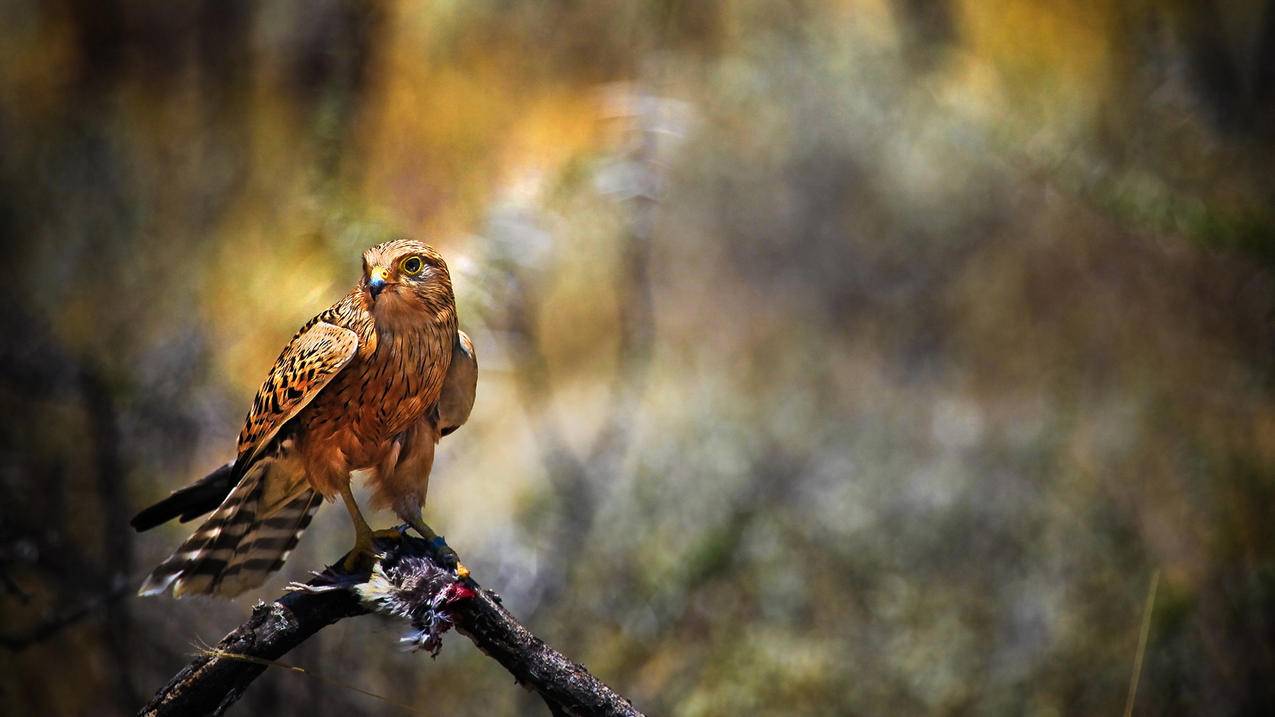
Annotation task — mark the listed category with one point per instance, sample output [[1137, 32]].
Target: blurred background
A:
[[845, 357]]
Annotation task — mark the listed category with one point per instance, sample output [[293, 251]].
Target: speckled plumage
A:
[[359, 387]]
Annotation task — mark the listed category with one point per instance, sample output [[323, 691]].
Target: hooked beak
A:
[[376, 280]]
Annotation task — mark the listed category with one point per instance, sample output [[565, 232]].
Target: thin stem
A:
[[1142, 643]]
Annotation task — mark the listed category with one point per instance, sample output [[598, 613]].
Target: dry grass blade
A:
[[1142, 643], [222, 654]]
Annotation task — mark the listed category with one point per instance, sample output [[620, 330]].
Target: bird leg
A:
[[332, 579], [363, 554], [409, 474], [438, 545]]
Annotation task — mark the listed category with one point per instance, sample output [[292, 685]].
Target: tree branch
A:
[[406, 583]]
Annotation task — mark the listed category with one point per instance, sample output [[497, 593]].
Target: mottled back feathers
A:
[[305, 366]]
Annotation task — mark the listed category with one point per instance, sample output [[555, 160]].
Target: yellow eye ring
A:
[[412, 265]]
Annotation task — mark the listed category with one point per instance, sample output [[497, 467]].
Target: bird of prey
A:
[[371, 384]]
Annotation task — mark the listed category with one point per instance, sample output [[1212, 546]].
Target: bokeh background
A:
[[846, 357]]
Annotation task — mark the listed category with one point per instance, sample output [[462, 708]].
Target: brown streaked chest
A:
[[383, 390]]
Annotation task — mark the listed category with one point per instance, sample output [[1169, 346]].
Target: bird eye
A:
[[412, 265]]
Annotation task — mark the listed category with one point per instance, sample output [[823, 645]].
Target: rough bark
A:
[[408, 583]]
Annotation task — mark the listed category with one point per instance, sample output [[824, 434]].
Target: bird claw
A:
[[443, 552], [361, 558], [448, 557], [395, 533]]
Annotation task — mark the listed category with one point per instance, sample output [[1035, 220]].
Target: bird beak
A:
[[376, 280]]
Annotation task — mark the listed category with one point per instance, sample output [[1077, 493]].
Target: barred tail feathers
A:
[[248, 537], [190, 502]]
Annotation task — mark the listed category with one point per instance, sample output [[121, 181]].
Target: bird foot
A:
[[438, 547], [448, 557], [392, 535], [363, 555]]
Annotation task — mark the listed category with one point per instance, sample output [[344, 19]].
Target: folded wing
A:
[[459, 387], [263, 502]]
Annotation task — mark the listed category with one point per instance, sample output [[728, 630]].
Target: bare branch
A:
[[407, 583]]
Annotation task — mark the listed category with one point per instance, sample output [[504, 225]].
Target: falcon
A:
[[371, 385]]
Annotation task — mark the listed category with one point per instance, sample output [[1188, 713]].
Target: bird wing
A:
[[459, 387], [307, 364]]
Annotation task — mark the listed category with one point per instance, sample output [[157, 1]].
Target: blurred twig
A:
[[1143, 634], [218, 677], [11, 586], [56, 624]]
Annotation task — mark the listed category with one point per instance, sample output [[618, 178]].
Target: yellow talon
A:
[[362, 555], [462, 571]]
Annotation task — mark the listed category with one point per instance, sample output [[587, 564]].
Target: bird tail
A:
[[190, 502], [246, 538]]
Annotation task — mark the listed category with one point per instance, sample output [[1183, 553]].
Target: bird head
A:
[[405, 279]]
